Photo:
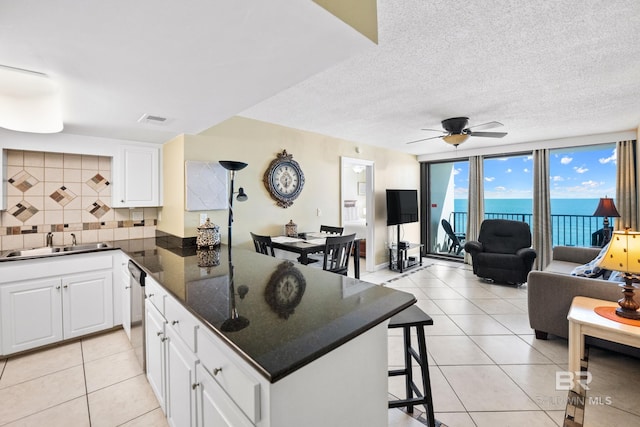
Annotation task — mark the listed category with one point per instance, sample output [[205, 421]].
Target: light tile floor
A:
[[487, 368]]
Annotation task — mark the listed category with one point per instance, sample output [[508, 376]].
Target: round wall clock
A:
[[285, 288], [284, 179]]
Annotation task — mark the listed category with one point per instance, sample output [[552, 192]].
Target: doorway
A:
[[357, 203]]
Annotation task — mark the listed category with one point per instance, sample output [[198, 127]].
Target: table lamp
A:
[[606, 208], [623, 255]]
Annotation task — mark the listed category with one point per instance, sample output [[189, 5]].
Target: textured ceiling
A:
[[195, 62], [544, 69]]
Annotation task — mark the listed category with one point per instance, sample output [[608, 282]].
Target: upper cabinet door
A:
[[136, 177]]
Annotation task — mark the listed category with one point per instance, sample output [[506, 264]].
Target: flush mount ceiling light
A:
[[29, 101]]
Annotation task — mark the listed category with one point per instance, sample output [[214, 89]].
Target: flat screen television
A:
[[402, 206]]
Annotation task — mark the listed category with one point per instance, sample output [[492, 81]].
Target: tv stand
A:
[[402, 261]]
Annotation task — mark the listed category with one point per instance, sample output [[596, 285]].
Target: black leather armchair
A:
[[503, 251]]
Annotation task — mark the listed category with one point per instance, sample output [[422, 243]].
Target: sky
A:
[[577, 173]]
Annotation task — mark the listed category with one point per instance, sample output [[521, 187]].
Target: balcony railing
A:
[[566, 230]]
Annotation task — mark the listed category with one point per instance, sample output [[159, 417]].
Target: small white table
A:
[[583, 320]]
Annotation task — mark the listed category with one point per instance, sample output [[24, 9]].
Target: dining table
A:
[[311, 243]]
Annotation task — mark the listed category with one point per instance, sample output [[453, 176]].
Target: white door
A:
[[181, 380], [88, 303], [357, 179], [155, 347], [31, 314]]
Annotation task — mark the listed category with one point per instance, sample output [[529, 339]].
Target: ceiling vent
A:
[[153, 119]]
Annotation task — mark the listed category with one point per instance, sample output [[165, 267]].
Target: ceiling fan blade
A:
[[488, 134], [424, 139], [435, 130], [488, 125]]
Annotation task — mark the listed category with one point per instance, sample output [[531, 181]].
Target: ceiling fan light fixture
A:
[[29, 102], [455, 139]]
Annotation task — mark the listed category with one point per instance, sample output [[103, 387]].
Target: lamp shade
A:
[[232, 165], [623, 253], [455, 139], [606, 207]]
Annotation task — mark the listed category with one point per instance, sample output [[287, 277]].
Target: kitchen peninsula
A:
[[268, 342]]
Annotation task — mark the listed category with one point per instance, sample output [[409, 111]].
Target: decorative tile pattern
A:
[[23, 180], [98, 209], [23, 211], [98, 182], [63, 195]]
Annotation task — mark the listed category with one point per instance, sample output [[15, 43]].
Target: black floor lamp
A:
[[235, 322], [233, 166]]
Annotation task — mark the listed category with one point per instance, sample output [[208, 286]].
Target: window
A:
[[579, 177], [508, 188]]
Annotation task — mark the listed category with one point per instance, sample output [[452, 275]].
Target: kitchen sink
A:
[[55, 250], [89, 247], [32, 252]]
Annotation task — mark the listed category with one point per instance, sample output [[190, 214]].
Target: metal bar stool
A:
[[406, 319]]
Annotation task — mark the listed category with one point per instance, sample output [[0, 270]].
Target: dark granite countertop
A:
[[277, 315]]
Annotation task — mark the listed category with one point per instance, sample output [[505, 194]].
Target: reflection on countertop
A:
[[276, 314]]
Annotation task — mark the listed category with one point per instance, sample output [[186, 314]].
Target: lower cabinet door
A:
[[31, 314], [215, 407], [181, 381], [88, 303], [155, 353]]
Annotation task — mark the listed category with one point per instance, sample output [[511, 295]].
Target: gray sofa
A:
[[551, 291]]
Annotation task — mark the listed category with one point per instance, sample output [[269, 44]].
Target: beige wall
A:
[[257, 143]]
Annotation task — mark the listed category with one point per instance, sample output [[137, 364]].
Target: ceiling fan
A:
[[456, 131]]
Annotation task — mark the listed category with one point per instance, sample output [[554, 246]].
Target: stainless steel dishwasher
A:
[[136, 279]]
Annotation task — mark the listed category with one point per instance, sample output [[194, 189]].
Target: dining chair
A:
[[331, 230], [263, 244], [328, 229], [337, 251]]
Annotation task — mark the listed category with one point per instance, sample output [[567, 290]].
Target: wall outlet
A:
[[137, 215], [203, 218], [318, 212]]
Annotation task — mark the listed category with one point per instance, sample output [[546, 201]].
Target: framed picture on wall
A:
[[362, 188]]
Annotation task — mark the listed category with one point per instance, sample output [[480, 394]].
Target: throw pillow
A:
[[591, 268]]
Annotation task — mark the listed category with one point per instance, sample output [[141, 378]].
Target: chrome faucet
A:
[[50, 239], [73, 239]]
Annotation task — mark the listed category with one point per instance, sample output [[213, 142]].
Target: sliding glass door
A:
[[444, 206]]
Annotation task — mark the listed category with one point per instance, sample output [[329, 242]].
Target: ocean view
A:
[[525, 206], [572, 220]]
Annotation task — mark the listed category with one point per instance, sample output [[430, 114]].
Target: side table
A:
[[583, 320]]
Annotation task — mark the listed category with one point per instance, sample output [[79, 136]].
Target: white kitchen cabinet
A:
[[31, 314], [215, 407], [87, 303], [181, 381], [122, 293], [40, 312], [171, 361], [155, 338], [47, 300], [136, 177]]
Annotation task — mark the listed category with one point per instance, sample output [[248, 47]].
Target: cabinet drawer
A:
[[181, 321], [215, 408], [239, 385], [155, 294]]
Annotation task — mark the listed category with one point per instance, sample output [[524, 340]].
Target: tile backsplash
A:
[[65, 194]]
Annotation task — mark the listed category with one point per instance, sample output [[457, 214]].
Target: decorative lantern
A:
[[291, 229], [208, 235]]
